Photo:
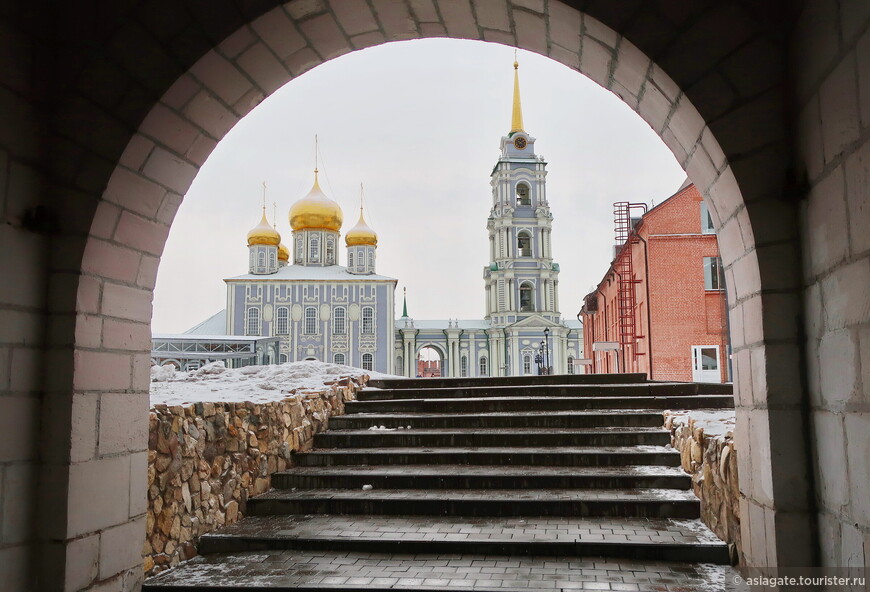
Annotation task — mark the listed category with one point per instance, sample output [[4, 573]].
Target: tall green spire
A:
[[405, 304]]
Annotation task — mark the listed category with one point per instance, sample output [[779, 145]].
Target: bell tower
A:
[[521, 278]]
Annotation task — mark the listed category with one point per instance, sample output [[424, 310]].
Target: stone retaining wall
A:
[[712, 462], [206, 459]]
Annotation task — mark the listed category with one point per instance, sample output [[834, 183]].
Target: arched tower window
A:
[[524, 196], [252, 321], [368, 362], [368, 319], [484, 366], [314, 249], [282, 321], [273, 259], [330, 252], [527, 297], [339, 327], [261, 258], [350, 259], [310, 320], [524, 243], [372, 258]]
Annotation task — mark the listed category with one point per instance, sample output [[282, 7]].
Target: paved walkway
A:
[[454, 528], [309, 570]]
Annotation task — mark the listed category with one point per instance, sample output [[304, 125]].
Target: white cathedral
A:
[[320, 310]]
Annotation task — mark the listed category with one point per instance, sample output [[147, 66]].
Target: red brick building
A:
[[428, 368], [661, 305]]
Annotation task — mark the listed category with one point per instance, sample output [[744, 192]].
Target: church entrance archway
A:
[[731, 142], [430, 362]]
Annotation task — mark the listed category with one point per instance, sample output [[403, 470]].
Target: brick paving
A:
[[357, 571], [446, 528]]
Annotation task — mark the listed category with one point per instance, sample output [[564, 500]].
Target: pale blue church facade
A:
[[320, 310]]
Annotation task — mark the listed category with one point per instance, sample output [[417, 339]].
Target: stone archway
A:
[[729, 138]]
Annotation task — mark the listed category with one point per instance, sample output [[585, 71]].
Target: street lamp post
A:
[[547, 349]]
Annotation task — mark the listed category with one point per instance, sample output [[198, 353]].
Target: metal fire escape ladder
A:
[[626, 299]]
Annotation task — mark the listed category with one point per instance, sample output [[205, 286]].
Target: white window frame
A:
[[350, 259], [570, 364], [483, 366], [314, 249], [310, 321], [282, 321], [261, 258], [252, 321], [283, 358], [527, 364], [339, 358], [339, 321], [368, 362], [463, 366], [367, 324]]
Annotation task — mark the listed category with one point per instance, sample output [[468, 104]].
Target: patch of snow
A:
[[258, 384], [716, 423], [367, 487], [381, 429]]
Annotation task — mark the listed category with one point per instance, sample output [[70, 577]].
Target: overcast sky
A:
[[419, 124]]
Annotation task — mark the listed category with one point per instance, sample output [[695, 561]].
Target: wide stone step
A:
[[655, 503], [363, 571], [500, 456], [482, 477], [647, 389], [424, 383], [522, 404], [530, 419], [519, 437], [632, 538]]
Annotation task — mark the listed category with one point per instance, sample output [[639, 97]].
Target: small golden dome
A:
[[316, 211], [283, 252], [263, 234], [361, 234]]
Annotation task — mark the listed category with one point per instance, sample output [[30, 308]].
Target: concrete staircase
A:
[[474, 469]]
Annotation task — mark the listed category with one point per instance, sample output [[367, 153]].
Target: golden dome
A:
[[361, 234], [263, 234], [283, 252], [316, 211]]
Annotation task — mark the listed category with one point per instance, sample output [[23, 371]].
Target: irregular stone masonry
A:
[[206, 459], [712, 462]]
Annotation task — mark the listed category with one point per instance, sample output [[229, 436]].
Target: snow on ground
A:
[[258, 384], [717, 423]]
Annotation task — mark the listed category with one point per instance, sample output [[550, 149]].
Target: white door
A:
[[705, 363]]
